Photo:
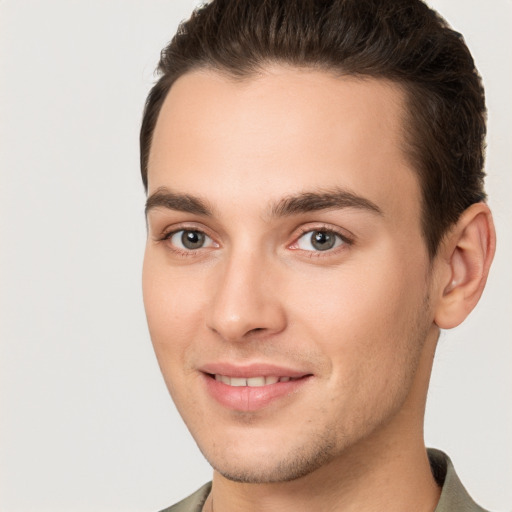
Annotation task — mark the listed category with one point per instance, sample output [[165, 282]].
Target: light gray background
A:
[[86, 423]]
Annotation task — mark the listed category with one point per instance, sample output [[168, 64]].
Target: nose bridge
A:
[[245, 301]]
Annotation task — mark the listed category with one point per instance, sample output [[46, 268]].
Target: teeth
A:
[[251, 381], [255, 381]]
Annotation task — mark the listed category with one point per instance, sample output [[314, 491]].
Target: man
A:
[[316, 215]]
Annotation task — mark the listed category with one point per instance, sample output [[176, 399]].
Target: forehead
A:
[[283, 131]]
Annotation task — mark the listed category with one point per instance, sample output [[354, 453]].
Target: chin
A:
[[274, 467]]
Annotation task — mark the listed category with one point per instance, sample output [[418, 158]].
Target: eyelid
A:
[[169, 230]]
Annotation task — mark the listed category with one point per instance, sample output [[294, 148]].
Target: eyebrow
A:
[[163, 197], [293, 205], [322, 200]]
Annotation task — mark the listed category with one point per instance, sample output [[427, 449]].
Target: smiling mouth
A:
[[252, 388], [252, 382]]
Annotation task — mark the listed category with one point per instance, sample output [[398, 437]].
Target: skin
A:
[[362, 319]]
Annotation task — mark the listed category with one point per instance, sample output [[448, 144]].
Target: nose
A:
[[246, 301]]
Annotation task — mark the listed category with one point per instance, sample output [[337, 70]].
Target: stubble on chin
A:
[[302, 462]]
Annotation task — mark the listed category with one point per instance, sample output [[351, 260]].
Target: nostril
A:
[[254, 331]]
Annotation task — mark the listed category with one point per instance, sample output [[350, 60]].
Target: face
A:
[[286, 280]]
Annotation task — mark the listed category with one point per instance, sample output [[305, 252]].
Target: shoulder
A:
[[194, 503], [454, 497]]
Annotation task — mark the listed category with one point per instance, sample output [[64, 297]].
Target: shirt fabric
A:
[[454, 497]]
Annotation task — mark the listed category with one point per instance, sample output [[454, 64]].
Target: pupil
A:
[[192, 239], [322, 240]]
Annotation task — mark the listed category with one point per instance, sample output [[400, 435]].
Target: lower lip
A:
[[247, 398]]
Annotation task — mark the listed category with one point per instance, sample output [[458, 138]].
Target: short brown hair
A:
[[400, 40]]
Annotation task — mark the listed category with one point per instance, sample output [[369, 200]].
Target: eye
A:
[[319, 240], [190, 240]]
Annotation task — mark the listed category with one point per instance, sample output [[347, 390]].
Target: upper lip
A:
[[252, 370]]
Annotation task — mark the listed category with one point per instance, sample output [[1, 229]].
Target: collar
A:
[[454, 497]]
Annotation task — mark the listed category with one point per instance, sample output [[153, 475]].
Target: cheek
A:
[[173, 302], [368, 328], [360, 314]]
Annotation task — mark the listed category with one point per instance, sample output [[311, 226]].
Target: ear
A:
[[465, 258]]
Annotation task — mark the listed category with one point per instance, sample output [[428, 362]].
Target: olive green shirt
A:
[[454, 498]]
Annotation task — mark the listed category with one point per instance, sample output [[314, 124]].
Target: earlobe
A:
[[467, 253]]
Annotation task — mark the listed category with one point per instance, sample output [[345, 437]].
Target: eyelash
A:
[[345, 240]]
